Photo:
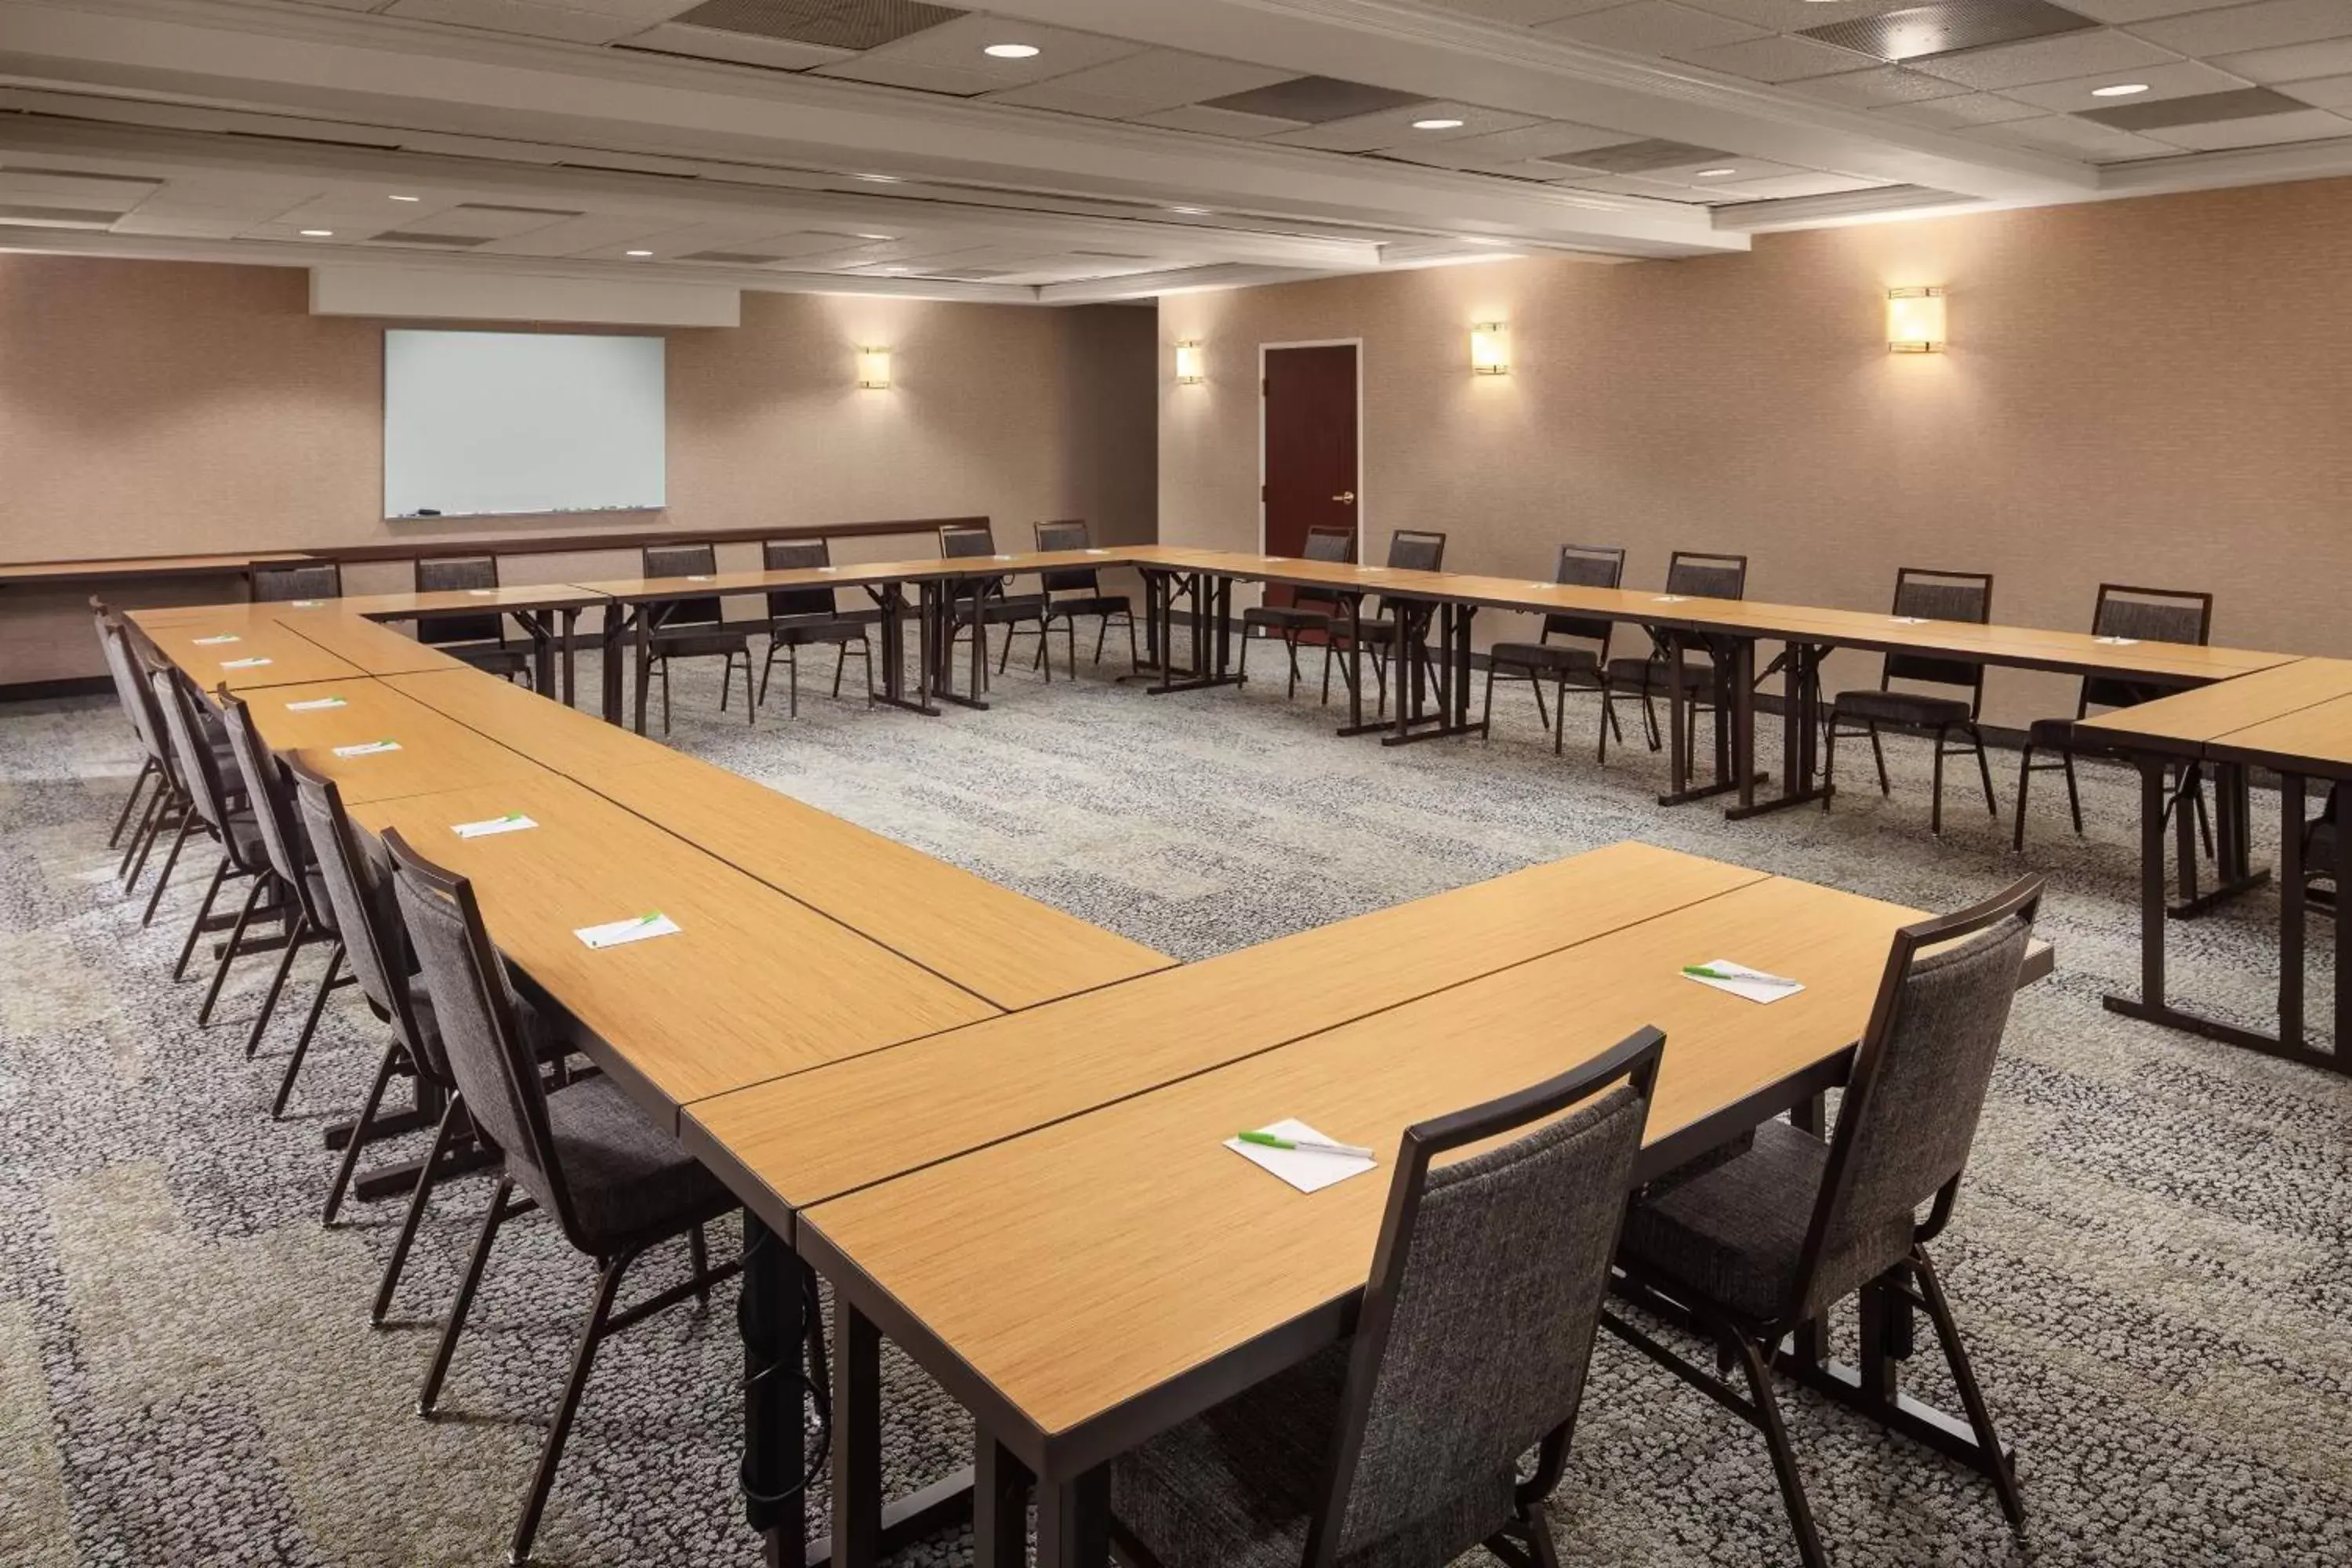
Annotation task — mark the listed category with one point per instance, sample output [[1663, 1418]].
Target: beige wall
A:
[[2156, 392], [154, 407]]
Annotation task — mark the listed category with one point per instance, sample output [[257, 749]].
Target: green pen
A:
[[1701, 972], [1305, 1145]]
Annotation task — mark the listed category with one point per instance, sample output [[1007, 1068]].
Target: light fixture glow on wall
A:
[[1915, 320], [874, 368], [1192, 363], [1490, 349]]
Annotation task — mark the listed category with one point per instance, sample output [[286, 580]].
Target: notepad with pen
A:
[[1300, 1155], [1739, 980], [620, 933]]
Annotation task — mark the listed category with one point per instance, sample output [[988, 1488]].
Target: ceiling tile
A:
[[1873, 88], [68, 188], [2295, 62], [2183, 79], [2047, 59], [2328, 92], [1203, 120], [590, 231], [2264, 25], [1958, 113], [1394, 128], [1795, 15], [1548, 140], [2263, 130], [1633, 186], [1744, 171], [2195, 108], [1775, 59], [2069, 137], [948, 57], [834, 24], [738, 48], [1654, 27], [559, 21], [1140, 83], [1785, 187], [2127, 11], [1525, 13]]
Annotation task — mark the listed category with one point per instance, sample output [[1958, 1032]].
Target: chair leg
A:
[[768, 668], [163, 877], [228, 952], [309, 1027], [143, 839], [697, 1248], [360, 1129], [2024, 783], [1984, 771], [138, 788], [726, 676], [2204, 823], [665, 677], [294, 939], [550, 1453], [751, 708], [2074, 795], [1558, 706], [1829, 762], [1936, 808], [793, 683], [418, 1196], [1784, 1455], [1878, 754], [1134, 656], [197, 925], [1487, 711], [435, 1375], [1964, 1380]]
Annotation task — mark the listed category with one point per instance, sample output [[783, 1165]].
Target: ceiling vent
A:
[[1315, 100], [451, 241], [2199, 109], [1923, 32], [1635, 157], [832, 24], [55, 218], [732, 257]]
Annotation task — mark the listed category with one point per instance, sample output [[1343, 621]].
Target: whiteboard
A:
[[483, 423]]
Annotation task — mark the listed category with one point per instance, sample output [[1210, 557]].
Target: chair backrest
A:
[[199, 770], [474, 1008], [1940, 596], [1332, 546], [1415, 550], [963, 541], [1909, 1111], [1700, 575], [455, 573], [359, 892], [1479, 1316], [2149, 615], [273, 810], [684, 561], [1067, 535], [122, 666], [1586, 566], [308, 580], [799, 555]]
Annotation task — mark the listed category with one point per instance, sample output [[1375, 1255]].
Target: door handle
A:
[[1347, 497]]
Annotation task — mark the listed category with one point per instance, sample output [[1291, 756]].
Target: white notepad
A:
[[243, 663], [1670, 598], [1908, 620], [513, 822], [1302, 1168], [218, 638], [2117, 642], [1754, 984], [313, 704], [620, 933], [367, 748], [1097, 552], [307, 603], [697, 576], [482, 592]]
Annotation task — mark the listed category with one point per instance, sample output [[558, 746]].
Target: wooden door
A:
[[1310, 409]]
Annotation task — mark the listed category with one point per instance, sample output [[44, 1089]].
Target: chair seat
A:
[[1655, 674], [1286, 618], [1014, 607], [629, 1180], [1737, 1232], [496, 658], [2319, 851], [1551, 657], [1237, 1486], [700, 642], [1900, 707], [1098, 604], [799, 631]]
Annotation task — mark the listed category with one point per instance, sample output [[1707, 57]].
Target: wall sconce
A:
[[874, 368], [1191, 364], [1490, 349], [1915, 320]]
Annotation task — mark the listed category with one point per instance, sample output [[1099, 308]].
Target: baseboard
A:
[[70, 686]]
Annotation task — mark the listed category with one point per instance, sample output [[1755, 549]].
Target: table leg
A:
[[643, 662], [2235, 874], [1000, 1506], [569, 636], [2291, 798], [1678, 749], [1074, 1521], [770, 1316], [857, 1438], [1742, 693], [541, 626], [2343, 1055], [608, 634]]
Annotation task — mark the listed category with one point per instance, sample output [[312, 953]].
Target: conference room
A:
[[1334, 783]]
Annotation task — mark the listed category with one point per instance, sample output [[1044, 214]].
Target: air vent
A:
[[528, 212], [732, 257], [1635, 157], [2201, 109], [456, 241], [833, 24], [1926, 31], [1315, 100], [55, 218]]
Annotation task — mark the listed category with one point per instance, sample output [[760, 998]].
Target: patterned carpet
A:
[[2148, 1256]]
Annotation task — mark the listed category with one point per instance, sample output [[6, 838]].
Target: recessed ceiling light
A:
[[408, 198], [878, 179], [637, 253], [876, 237], [1190, 212], [1012, 51], [894, 269], [2121, 89], [317, 234], [1437, 125], [1714, 173]]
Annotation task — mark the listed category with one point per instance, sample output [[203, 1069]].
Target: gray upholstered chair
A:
[[303, 580], [295, 884], [1075, 592], [2143, 615], [221, 812], [694, 628], [1309, 612], [1757, 1246], [478, 640], [1410, 550], [614, 1182], [1400, 1449], [1963, 596], [167, 799], [807, 617], [1580, 566], [2319, 851], [997, 606], [1690, 575]]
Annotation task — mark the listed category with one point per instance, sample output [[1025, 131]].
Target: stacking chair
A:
[[1584, 566], [1691, 574], [1309, 612], [1401, 1447], [1080, 594], [615, 1183], [155, 759], [295, 883], [1934, 596], [1766, 1243], [302, 580], [2146, 614], [801, 618], [996, 604], [1410, 550], [478, 640], [695, 628], [224, 815]]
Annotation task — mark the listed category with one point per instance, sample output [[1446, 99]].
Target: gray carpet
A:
[[2149, 1256]]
